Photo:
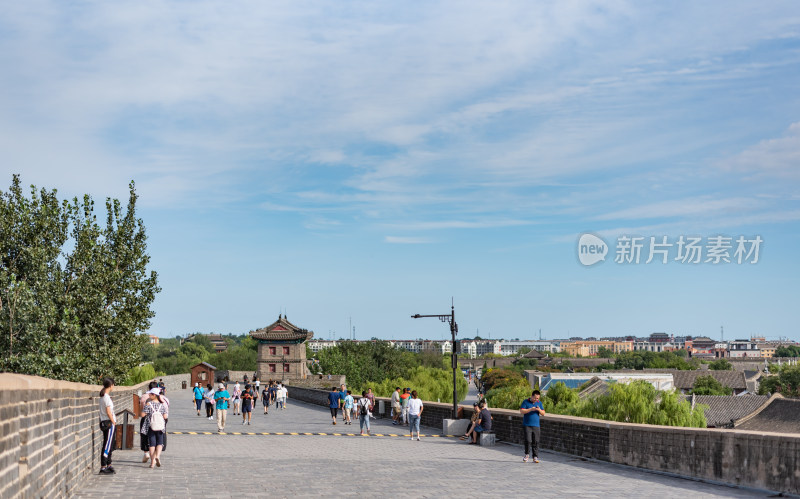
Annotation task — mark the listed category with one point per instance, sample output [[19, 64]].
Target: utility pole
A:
[[450, 318]]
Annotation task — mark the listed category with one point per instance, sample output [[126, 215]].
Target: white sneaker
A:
[[243, 422], [417, 439]]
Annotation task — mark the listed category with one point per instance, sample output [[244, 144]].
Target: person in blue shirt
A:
[[198, 397], [342, 396], [531, 409], [333, 399], [348, 407], [221, 397]]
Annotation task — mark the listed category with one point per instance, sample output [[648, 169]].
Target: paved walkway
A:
[[215, 466]]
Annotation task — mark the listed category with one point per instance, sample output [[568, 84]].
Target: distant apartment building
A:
[[512, 347], [317, 345], [479, 348], [154, 340], [590, 348], [738, 349]]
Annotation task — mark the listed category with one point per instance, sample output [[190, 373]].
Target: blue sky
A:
[[369, 160]]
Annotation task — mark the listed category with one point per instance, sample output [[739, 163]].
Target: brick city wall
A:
[[767, 461], [50, 439]]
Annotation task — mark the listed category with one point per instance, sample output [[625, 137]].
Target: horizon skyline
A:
[[373, 161]]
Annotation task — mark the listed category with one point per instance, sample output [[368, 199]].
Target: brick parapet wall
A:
[[50, 438], [769, 461]]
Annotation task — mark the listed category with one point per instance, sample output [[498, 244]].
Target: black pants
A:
[[532, 436], [209, 409], [108, 443]]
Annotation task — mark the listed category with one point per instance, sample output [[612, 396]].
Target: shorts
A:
[[265, 402], [246, 407], [334, 411], [397, 409], [479, 428], [155, 438]]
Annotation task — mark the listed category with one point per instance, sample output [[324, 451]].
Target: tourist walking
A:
[[144, 444], [154, 425], [273, 393], [397, 409], [531, 410], [108, 425], [284, 396], [364, 408], [342, 395], [371, 397], [247, 404], [237, 399], [265, 399], [333, 403], [484, 422], [209, 395], [349, 402], [198, 397], [404, 398], [414, 413], [221, 397]]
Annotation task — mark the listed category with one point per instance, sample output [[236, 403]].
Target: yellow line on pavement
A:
[[307, 434]]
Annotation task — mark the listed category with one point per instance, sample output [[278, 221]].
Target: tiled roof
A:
[[777, 415], [205, 364], [596, 387], [684, 380], [722, 409], [281, 330]]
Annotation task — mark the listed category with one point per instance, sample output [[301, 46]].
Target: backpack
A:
[[363, 411], [157, 420]]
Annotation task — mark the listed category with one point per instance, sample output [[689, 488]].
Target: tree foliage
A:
[[786, 382], [73, 294], [431, 383], [640, 359], [362, 363], [708, 385], [720, 365], [502, 378], [788, 351], [637, 402]]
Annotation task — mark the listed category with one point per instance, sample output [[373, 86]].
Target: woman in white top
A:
[[414, 413], [108, 423]]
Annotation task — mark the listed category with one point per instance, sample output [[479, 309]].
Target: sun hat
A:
[[155, 391], [221, 386]]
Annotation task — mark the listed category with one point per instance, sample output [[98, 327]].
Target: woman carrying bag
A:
[[154, 426]]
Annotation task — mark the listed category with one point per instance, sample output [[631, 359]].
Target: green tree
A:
[[138, 374], [501, 378], [605, 353], [720, 365], [523, 350], [786, 381], [431, 384], [366, 362], [73, 294], [787, 351], [708, 385]]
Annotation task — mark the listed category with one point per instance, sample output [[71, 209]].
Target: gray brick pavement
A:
[[306, 466]]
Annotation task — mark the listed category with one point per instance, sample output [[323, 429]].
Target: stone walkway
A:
[[228, 465]]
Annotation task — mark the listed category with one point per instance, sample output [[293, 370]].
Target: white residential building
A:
[[512, 347]]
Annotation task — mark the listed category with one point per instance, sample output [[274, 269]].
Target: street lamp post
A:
[[451, 318]]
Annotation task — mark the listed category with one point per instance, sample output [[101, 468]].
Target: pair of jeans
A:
[[209, 409], [532, 435], [413, 422], [199, 403], [363, 420]]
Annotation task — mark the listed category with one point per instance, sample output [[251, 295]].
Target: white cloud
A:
[[778, 157], [407, 240]]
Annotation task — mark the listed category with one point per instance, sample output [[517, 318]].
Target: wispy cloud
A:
[[407, 240]]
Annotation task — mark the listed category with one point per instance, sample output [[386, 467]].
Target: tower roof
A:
[[282, 330]]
